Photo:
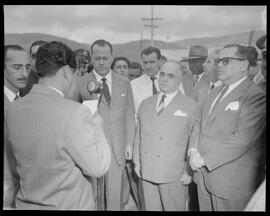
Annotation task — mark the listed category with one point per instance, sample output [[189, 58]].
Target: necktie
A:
[[153, 84], [106, 91], [161, 105], [16, 97], [195, 80], [212, 86], [220, 96]]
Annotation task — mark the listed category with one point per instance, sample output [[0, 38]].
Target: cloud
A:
[[122, 23]]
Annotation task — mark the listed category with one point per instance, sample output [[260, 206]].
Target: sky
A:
[[123, 23]]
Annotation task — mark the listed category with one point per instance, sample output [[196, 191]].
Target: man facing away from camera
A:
[[58, 144]]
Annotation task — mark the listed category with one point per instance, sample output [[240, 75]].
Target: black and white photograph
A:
[[135, 108]]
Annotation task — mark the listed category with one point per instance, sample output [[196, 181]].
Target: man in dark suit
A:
[[33, 76], [58, 144], [165, 121], [16, 70], [193, 83], [225, 148], [117, 109]]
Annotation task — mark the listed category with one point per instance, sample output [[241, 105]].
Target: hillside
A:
[[133, 49]]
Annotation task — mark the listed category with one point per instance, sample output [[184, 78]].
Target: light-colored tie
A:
[[161, 105]]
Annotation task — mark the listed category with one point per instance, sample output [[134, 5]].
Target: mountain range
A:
[[133, 49]]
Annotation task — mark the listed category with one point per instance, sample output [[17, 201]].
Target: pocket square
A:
[[123, 95], [232, 106], [179, 113]]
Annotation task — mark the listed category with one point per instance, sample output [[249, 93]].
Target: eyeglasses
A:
[[226, 60]]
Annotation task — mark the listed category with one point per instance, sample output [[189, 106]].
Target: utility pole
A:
[[152, 25], [167, 38]]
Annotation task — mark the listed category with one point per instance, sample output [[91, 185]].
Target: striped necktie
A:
[[195, 80], [161, 105]]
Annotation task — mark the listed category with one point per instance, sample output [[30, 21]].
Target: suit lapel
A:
[[208, 104], [232, 96]]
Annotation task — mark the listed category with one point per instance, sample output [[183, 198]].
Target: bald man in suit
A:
[[225, 150], [117, 110], [165, 121]]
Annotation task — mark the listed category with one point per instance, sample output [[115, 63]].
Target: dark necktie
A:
[[106, 91], [195, 80], [153, 84], [220, 96], [161, 105], [212, 86], [16, 97]]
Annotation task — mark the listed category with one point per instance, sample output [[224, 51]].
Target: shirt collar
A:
[[169, 96], [237, 83], [217, 83], [200, 76], [57, 90], [98, 77], [10, 94]]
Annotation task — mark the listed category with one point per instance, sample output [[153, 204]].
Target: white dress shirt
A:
[[10, 94], [216, 84], [142, 88], [168, 98], [108, 77]]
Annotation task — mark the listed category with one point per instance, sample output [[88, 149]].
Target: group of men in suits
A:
[[204, 126]]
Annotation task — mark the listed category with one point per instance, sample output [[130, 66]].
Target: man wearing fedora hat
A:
[[192, 83]]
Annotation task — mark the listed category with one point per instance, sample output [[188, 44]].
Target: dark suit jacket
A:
[[119, 120], [161, 141], [229, 142], [191, 91]]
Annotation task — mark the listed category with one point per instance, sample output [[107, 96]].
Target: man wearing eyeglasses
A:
[[33, 76], [225, 150], [165, 122]]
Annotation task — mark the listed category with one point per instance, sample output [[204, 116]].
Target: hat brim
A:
[[195, 57]]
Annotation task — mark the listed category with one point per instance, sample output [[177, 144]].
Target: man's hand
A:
[[137, 169], [186, 179], [195, 160], [128, 152]]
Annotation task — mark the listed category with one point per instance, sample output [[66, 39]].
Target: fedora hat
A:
[[197, 52]]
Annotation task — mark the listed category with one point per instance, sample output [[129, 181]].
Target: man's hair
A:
[[101, 43], [150, 50], [52, 56], [12, 47], [245, 52], [164, 57], [120, 58], [39, 43], [135, 65]]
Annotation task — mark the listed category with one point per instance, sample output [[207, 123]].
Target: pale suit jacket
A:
[[119, 120], [11, 179], [57, 148], [161, 141], [187, 83], [228, 140]]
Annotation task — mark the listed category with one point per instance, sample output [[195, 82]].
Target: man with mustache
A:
[[16, 70]]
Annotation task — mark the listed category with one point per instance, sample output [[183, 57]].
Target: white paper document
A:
[[92, 105]]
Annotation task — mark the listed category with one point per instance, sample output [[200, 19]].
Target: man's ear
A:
[[67, 72]]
